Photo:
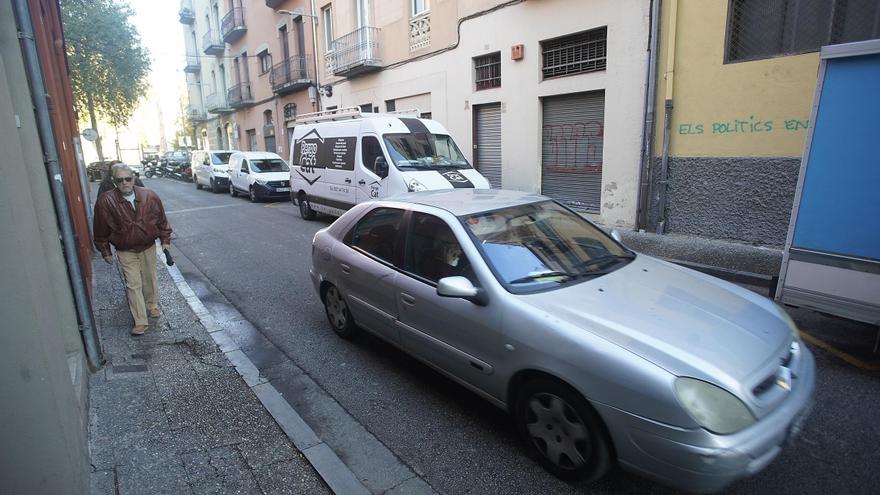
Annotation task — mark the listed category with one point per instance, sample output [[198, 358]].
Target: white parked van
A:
[[343, 157], [259, 175], [210, 169]]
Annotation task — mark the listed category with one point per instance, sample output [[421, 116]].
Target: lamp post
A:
[[299, 13]]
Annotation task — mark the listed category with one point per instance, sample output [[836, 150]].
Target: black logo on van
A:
[[457, 179]]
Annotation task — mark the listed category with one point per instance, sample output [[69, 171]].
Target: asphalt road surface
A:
[[258, 255]]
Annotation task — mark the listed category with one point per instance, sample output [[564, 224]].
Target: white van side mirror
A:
[[381, 167]]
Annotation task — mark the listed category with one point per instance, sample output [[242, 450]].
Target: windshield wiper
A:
[[536, 276], [603, 259]]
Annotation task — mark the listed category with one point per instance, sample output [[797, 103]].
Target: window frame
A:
[[407, 232], [327, 18], [543, 45], [264, 62], [476, 60], [412, 8], [396, 249]]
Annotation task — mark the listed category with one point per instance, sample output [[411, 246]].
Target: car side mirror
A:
[[205, 161], [462, 288], [381, 167], [616, 236]]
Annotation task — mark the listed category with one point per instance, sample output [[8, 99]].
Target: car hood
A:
[[684, 321], [272, 176]]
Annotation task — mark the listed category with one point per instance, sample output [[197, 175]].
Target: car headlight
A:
[[712, 407], [261, 182], [415, 186]]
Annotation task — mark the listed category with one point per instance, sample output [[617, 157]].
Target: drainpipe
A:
[[315, 52], [667, 119], [62, 212], [648, 131]]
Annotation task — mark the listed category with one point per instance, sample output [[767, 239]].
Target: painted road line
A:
[[199, 208], [280, 204], [858, 363], [329, 466]]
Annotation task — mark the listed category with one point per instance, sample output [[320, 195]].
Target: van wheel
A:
[[562, 431], [214, 187], [252, 194], [232, 191], [305, 209], [196, 180]]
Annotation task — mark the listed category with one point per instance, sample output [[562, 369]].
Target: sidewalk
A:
[[170, 414]]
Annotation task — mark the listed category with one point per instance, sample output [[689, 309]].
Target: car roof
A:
[[466, 201]]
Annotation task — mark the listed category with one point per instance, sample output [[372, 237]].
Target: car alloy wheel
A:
[[338, 314], [562, 431], [253, 195], [305, 209]]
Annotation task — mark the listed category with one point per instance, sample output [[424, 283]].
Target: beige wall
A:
[[448, 78], [716, 104]]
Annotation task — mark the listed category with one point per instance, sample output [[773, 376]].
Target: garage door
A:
[[571, 149], [487, 136]]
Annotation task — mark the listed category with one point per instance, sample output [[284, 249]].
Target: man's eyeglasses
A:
[[120, 180]]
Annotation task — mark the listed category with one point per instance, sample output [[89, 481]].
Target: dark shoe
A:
[[138, 329]]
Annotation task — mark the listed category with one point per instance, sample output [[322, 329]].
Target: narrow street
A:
[[257, 256]]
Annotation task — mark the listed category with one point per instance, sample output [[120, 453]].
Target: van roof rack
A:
[[346, 113]]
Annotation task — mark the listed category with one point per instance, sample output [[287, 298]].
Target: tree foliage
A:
[[108, 63]]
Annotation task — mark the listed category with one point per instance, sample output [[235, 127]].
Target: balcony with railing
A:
[[186, 12], [420, 32], [193, 64], [211, 44], [293, 74], [196, 114], [355, 53], [240, 95], [232, 26], [216, 103]]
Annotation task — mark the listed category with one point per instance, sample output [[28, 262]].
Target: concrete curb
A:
[[329, 466]]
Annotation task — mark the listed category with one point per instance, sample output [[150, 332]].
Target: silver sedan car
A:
[[603, 356]]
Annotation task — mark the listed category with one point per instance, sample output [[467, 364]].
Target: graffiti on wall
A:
[[573, 147], [752, 125]]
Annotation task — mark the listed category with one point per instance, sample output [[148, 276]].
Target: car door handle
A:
[[348, 181], [345, 268], [407, 299], [362, 182]]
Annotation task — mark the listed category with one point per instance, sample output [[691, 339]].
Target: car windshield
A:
[[269, 165], [220, 158], [424, 151], [543, 245]]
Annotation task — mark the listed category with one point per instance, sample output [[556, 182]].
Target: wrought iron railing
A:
[[211, 43], [196, 114], [232, 22], [240, 95], [294, 72], [216, 103], [358, 48]]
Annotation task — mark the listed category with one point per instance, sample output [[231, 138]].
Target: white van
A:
[[210, 169], [340, 158], [259, 175]]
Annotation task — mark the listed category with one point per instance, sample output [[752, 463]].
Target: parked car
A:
[[259, 175], [343, 157], [211, 168], [176, 165], [96, 171], [600, 354]]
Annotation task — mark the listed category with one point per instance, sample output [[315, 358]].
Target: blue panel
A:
[[840, 207]]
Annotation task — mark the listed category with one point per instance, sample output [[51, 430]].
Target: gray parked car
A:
[[601, 355]]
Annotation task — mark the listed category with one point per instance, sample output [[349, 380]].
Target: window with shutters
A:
[[487, 71], [758, 29], [577, 53]]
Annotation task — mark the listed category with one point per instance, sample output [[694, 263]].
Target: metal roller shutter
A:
[[571, 149], [487, 130]]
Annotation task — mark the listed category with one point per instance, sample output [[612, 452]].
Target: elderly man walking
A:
[[132, 218]]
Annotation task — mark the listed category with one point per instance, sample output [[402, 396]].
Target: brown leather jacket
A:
[[117, 223]]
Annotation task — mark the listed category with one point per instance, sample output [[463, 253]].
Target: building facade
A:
[[545, 96], [249, 67], [735, 87]]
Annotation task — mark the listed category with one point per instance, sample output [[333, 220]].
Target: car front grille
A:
[[279, 183]]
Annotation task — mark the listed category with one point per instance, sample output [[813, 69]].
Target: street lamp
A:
[[299, 13]]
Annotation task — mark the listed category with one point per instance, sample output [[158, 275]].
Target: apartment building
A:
[[250, 69], [545, 96], [734, 94]]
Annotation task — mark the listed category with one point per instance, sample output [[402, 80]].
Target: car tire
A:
[[252, 195], [305, 209], [196, 180], [562, 431], [338, 314], [232, 191], [214, 188]]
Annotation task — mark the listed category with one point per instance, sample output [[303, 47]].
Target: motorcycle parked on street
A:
[[153, 170]]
